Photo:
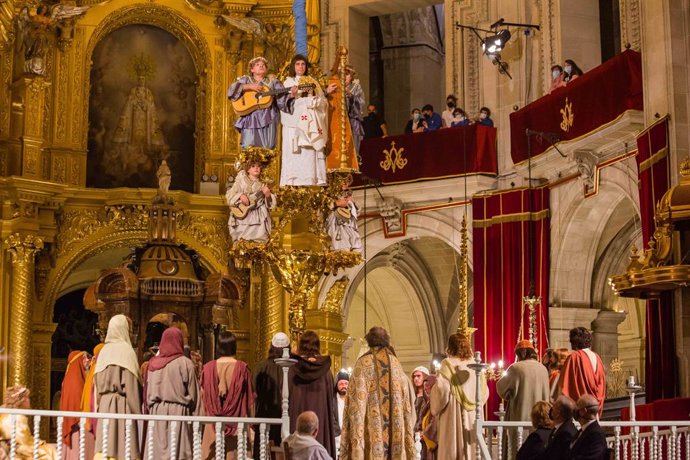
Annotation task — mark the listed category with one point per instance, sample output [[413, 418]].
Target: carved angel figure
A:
[[33, 32]]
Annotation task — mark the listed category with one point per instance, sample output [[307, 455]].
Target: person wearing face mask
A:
[[484, 117], [459, 118], [432, 120], [414, 124], [571, 71], [374, 125], [447, 115], [556, 78]]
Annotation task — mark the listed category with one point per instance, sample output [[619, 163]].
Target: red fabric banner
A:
[[501, 247], [588, 103], [440, 154], [661, 370]]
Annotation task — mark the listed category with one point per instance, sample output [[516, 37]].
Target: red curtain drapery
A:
[[504, 234], [661, 373]]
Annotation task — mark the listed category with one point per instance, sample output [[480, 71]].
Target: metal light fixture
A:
[[495, 43]]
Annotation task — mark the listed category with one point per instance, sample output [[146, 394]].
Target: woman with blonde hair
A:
[[535, 445]]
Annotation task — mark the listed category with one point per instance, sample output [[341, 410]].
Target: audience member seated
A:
[[535, 444], [432, 120], [447, 115], [484, 117], [556, 78], [459, 118], [374, 125], [414, 124], [302, 444], [571, 71], [564, 430], [590, 443]]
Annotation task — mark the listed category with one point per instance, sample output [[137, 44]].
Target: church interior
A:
[[570, 210]]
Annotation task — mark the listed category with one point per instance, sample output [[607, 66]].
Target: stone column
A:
[[23, 249], [605, 334]]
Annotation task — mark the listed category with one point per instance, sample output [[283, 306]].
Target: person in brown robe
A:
[[311, 389], [70, 400], [226, 386], [118, 389], [583, 372], [172, 388], [268, 384]]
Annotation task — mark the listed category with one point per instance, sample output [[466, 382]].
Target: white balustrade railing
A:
[[641, 440], [134, 421]]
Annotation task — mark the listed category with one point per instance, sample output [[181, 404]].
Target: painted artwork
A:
[[142, 109]]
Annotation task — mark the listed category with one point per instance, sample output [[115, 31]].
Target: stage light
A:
[[495, 43]]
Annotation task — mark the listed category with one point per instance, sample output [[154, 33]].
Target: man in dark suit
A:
[[590, 443], [564, 431]]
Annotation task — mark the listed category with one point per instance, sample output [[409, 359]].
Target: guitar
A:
[[241, 210], [250, 100]]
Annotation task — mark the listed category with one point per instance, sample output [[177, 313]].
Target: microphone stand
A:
[[551, 138]]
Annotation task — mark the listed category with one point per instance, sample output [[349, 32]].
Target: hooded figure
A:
[[70, 400], [311, 389]]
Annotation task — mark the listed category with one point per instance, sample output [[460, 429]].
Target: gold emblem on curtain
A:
[[568, 116], [394, 159]]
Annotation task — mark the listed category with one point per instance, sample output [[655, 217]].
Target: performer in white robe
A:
[[341, 223], [305, 130], [249, 191]]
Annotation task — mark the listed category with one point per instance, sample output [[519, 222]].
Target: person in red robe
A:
[[312, 389], [226, 387], [583, 372], [70, 400]]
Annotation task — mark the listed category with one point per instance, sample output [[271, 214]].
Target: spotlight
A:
[[495, 43]]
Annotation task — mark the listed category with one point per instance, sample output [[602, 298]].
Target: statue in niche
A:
[[138, 139], [164, 177]]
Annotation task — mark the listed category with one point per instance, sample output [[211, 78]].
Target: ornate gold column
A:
[[270, 311], [27, 123], [41, 341], [23, 249]]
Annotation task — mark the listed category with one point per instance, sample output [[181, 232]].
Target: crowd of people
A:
[[562, 75], [374, 412], [427, 120]]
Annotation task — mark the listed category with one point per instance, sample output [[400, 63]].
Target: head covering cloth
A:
[[71, 392], [118, 349]]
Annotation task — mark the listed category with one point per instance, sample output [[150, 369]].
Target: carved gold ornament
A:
[[568, 116], [394, 159]]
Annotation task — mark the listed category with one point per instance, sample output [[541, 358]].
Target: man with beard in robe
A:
[[583, 372], [226, 385], [172, 389], [379, 417], [70, 400], [342, 381], [311, 389]]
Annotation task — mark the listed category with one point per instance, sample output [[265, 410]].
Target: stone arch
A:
[[100, 242], [174, 22]]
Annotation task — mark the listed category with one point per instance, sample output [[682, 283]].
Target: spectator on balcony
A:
[[571, 71], [447, 115], [525, 382], [484, 117], [535, 444], [564, 430], [312, 389], [118, 386], [583, 372], [268, 384], [590, 442], [414, 124], [374, 125], [172, 388], [557, 78], [70, 400], [432, 120], [459, 118]]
